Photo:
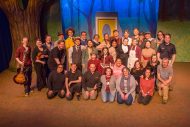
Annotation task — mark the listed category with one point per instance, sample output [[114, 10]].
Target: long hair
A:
[[144, 75], [102, 52], [152, 57], [107, 69], [141, 66]]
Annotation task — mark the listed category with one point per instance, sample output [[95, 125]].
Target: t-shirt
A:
[[56, 81], [165, 73], [73, 76], [166, 51], [56, 53]]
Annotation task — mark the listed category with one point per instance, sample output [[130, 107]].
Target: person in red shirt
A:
[[146, 87], [94, 60], [23, 58]]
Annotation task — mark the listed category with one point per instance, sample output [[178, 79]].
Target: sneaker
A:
[[26, 94]]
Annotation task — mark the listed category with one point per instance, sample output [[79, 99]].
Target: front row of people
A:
[[122, 87]]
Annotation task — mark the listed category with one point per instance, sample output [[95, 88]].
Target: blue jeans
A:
[[107, 97], [129, 100]]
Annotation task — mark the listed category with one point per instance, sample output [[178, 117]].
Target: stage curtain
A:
[[5, 42], [80, 14]]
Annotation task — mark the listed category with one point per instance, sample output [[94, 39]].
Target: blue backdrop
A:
[[5, 42], [80, 14]]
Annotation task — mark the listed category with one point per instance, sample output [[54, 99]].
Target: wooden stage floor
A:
[[36, 110]]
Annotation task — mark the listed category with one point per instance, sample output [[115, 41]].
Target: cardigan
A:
[[112, 84]]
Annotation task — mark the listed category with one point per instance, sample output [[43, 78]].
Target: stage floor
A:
[[37, 110]]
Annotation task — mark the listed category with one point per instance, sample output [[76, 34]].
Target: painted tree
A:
[[23, 20], [88, 16]]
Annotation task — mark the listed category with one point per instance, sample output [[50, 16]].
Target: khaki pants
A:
[[163, 91], [92, 97]]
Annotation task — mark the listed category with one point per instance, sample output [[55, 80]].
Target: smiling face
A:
[[108, 72], [92, 68], [25, 41], [70, 33], [83, 35], [167, 39], [73, 67], [90, 44], [48, 39], [60, 68], [118, 62], [38, 43], [147, 44], [136, 32], [105, 51], [106, 37], [61, 45], [125, 72], [147, 73], [114, 44]]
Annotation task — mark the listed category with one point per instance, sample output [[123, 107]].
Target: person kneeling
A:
[[73, 82], [56, 83], [146, 87], [108, 86], [125, 86], [90, 83]]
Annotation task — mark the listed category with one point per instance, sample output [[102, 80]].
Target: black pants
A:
[[144, 100], [74, 88], [41, 75], [55, 93], [28, 74]]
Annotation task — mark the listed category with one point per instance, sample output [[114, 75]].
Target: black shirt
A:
[[90, 80], [56, 53], [73, 76], [166, 51], [137, 74], [56, 81], [153, 68]]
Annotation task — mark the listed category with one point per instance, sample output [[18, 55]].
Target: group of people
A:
[[119, 67]]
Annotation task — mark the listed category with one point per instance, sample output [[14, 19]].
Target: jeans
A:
[[107, 96], [129, 100]]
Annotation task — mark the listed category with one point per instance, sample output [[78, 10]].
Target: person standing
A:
[[86, 54], [123, 52], [134, 54], [147, 52], [57, 56], [38, 57], [75, 53], [167, 50], [23, 59], [60, 38], [83, 37]]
